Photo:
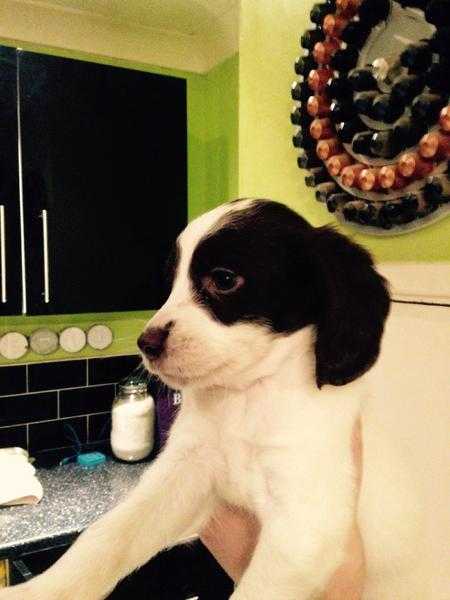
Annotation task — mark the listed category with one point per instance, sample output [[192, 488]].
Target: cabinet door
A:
[[105, 184], [179, 573], [10, 263]]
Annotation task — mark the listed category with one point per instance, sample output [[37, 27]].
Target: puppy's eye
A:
[[223, 281]]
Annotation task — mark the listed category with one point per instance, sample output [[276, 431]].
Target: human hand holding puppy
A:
[[232, 534]]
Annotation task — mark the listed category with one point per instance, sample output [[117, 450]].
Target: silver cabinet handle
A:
[[46, 270], [3, 253]]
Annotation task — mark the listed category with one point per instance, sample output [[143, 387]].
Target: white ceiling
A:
[[194, 35], [188, 17]]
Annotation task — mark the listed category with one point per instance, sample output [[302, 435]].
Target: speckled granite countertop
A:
[[73, 498]]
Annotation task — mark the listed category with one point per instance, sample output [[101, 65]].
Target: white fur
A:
[[254, 431]]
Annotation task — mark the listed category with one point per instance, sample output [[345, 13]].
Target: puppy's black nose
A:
[[152, 341]]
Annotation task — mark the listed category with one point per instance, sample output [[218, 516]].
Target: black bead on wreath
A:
[[375, 136]]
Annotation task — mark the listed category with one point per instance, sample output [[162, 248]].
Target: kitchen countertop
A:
[[74, 497]]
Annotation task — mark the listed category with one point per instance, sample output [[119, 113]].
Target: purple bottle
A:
[[167, 402]]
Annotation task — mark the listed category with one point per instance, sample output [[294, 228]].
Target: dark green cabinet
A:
[[104, 179], [10, 238], [180, 573]]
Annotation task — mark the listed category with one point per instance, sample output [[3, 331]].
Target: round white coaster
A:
[[99, 337], [13, 345], [44, 341], [72, 339]]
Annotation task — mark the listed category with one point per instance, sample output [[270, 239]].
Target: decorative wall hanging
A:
[[373, 111]]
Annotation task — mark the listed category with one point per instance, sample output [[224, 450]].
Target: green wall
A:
[[222, 140], [212, 101], [267, 161]]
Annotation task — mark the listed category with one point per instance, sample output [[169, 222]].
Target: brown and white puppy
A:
[[268, 331]]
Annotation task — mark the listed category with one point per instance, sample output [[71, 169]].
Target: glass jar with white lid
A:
[[133, 420]]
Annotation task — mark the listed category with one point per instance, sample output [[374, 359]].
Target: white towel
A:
[[18, 482]]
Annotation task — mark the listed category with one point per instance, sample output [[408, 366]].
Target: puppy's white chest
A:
[[246, 442], [241, 481], [272, 439]]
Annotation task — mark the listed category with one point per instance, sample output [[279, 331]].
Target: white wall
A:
[[413, 379]]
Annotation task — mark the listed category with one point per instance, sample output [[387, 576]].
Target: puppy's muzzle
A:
[[152, 341]]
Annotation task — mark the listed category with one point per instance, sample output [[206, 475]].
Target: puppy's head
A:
[[249, 275]]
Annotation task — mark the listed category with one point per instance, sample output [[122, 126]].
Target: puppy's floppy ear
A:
[[353, 303]]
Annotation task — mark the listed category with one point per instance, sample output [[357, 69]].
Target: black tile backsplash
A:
[[111, 370], [56, 375], [13, 380], [99, 427], [28, 407], [57, 434], [39, 412], [13, 436], [83, 401]]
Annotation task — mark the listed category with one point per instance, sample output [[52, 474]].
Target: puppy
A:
[[268, 331]]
